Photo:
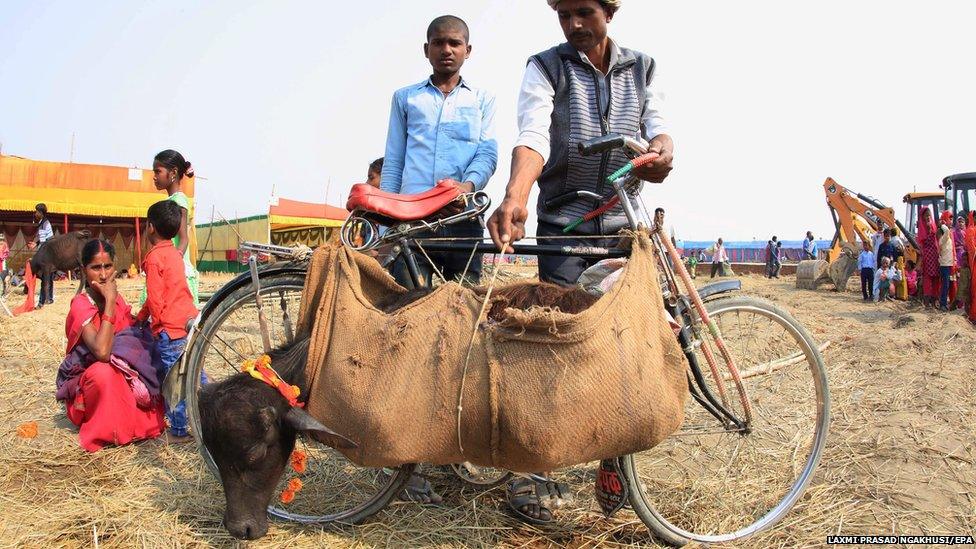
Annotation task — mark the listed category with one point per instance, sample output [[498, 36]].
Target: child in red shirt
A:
[[169, 303]]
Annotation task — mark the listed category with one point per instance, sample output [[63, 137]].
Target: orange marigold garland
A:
[[299, 461], [261, 370], [287, 496]]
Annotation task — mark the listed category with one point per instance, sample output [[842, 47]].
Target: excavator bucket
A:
[[811, 274]]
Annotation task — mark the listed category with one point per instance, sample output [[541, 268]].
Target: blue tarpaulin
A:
[[751, 251]]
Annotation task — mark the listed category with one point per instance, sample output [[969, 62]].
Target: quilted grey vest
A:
[[577, 117]]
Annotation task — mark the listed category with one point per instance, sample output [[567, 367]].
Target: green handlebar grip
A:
[[621, 172]]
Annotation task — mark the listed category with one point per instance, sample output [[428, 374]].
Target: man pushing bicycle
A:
[[578, 90]]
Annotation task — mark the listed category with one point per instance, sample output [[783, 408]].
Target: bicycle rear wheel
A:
[[335, 489], [712, 482]]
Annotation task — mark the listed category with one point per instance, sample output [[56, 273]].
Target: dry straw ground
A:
[[900, 458]]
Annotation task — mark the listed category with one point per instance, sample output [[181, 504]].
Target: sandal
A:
[[522, 493], [419, 490], [555, 495]]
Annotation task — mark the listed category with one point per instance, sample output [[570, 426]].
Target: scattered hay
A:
[[899, 458]]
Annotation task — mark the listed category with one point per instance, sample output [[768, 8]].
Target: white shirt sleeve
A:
[[654, 100], [536, 103], [535, 106]]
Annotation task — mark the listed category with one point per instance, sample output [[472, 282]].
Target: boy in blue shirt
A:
[[442, 128], [865, 262]]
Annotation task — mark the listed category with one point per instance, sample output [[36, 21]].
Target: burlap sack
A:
[[541, 389]]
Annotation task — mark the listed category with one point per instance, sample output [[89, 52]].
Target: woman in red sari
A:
[[928, 275], [107, 382], [970, 243]]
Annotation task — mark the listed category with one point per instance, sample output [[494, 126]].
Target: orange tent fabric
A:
[[79, 189]]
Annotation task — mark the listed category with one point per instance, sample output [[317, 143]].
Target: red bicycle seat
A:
[[401, 207]]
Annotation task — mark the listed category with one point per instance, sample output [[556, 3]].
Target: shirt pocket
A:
[[466, 125]]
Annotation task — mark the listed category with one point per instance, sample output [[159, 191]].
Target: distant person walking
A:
[[719, 258], [809, 247], [44, 233], [777, 258], [770, 251]]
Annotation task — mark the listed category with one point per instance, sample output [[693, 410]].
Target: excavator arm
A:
[[858, 217]]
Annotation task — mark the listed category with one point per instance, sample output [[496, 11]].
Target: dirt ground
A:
[[899, 459]]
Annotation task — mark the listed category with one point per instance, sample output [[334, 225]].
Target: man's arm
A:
[[485, 160], [535, 106], [507, 223], [391, 180]]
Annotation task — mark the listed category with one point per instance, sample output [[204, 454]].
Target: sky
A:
[[764, 99]]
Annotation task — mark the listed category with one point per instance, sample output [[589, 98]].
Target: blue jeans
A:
[[944, 296], [166, 353]]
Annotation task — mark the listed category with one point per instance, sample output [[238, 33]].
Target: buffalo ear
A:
[[300, 420]]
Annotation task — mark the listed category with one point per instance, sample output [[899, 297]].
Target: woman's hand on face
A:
[[107, 289]]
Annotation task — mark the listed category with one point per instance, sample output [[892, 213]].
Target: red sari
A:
[[928, 268], [105, 409], [970, 243]]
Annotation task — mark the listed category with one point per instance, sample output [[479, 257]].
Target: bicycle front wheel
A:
[[714, 482], [336, 490]]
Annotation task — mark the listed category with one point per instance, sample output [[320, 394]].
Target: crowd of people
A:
[[942, 276]]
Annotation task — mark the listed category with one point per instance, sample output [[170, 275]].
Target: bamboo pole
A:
[[778, 364]]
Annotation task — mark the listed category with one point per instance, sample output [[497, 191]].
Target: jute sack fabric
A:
[[541, 389]]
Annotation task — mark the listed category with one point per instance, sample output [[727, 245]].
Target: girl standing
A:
[[928, 274], [169, 169]]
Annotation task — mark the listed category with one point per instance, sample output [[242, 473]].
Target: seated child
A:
[[911, 278]]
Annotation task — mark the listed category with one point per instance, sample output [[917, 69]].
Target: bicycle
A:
[[734, 435]]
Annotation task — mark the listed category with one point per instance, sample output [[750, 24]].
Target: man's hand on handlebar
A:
[[660, 167], [507, 224]]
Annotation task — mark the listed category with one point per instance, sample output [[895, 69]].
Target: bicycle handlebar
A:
[[601, 144], [566, 198]]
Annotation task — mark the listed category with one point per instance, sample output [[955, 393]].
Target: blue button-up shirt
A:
[[866, 260], [433, 137]]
